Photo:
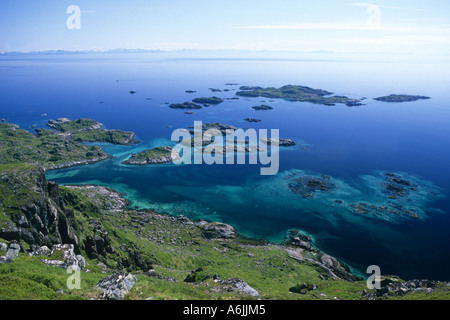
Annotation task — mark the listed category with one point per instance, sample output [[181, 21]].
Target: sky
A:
[[397, 26]]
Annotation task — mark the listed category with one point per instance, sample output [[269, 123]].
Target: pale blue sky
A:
[[410, 26]]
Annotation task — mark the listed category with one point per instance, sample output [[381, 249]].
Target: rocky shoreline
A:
[[62, 240]]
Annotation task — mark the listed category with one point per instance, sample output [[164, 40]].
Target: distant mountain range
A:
[[50, 52]]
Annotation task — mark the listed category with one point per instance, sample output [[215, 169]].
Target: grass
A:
[[47, 149], [101, 135], [150, 155], [75, 125], [27, 278]]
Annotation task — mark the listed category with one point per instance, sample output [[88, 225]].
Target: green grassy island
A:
[[152, 156], [186, 105], [88, 130], [296, 93], [212, 100]]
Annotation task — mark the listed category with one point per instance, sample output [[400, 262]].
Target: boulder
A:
[[218, 230], [69, 257], [240, 286], [328, 261], [40, 251], [13, 251], [117, 285]]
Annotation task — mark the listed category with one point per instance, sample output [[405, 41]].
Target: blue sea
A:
[[354, 146]]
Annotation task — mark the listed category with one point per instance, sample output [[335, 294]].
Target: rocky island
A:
[[89, 130], [61, 147], [401, 98], [47, 148], [252, 120], [212, 100], [185, 105], [262, 107], [155, 155], [283, 142], [296, 93]]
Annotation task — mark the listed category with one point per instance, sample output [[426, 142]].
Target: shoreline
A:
[[292, 247]]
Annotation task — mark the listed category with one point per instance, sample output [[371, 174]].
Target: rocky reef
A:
[[252, 120], [306, 186]]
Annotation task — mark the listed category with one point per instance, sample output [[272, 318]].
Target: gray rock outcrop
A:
[[218, 230], [116, 286], [240, 286]]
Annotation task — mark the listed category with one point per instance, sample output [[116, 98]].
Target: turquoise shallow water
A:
[[355, 147]]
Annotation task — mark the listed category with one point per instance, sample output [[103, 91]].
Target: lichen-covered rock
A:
[[69, 258], [116, 286], [239, 286], [13, 251], [393, 287], [218, 230]]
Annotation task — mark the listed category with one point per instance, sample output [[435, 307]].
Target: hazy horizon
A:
[[397, 27]]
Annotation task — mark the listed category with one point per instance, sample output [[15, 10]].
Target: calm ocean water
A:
[[352, 145]]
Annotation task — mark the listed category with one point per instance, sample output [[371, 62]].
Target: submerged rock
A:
[[297, 238], [307, 185]]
